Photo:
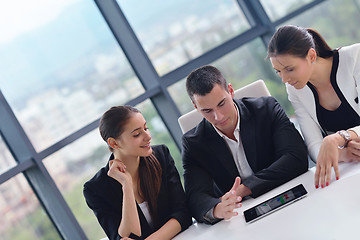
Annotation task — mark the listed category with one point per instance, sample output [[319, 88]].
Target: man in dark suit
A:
[[242, 147]]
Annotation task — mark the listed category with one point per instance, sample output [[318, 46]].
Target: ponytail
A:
[[322, 48]]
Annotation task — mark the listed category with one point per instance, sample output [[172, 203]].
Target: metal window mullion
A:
[[141, 64], [37, 176]]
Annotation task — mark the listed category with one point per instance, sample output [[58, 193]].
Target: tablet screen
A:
[[275, 203]]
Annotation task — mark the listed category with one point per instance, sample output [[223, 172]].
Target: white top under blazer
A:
[[303, 101]]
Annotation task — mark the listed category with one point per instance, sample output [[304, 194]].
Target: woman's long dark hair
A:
[[297, 41], [112, 125]]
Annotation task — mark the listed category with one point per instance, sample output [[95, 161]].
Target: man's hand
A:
[[229, 201], [243, 191]]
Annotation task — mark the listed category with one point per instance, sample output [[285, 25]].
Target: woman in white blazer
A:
[[323, 85]]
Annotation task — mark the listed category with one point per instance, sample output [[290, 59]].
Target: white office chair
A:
[[255, 89]]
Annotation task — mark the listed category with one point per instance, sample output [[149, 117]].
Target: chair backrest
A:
[[255, 89]]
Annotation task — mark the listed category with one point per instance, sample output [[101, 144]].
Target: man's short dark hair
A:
[[203, 79]]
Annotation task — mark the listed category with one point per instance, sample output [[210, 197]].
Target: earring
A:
[[313, 62]]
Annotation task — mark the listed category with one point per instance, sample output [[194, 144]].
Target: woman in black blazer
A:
[[138, 194]]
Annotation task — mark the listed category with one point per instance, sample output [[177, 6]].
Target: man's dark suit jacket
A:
[[104, 196], [273, 147]]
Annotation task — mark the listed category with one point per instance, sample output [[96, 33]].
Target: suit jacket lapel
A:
[[218, 146], [145, 227], [247, 134]]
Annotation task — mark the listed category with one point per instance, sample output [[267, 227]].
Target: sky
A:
[[38, 43], [16, 19]]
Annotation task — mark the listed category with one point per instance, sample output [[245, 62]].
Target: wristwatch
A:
[[347, 137]]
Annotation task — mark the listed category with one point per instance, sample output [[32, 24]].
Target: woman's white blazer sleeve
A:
[[355, 51]]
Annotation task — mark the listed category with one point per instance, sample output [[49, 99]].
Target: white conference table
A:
[[332, 212]]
